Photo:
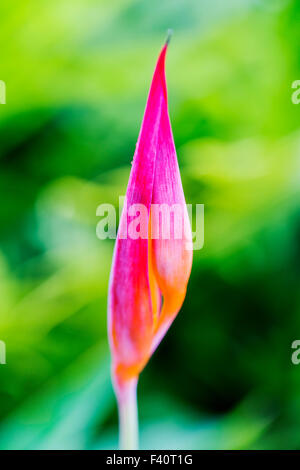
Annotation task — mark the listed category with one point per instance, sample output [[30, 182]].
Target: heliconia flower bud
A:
[[150, 272]]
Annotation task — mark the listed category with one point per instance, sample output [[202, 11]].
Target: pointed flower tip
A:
[[162, 57], [169, 35]]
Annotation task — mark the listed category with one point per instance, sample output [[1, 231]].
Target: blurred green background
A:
[[77, 76]]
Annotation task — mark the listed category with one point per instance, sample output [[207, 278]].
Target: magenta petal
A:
[[172, 257], [144, 269], [130, 315]]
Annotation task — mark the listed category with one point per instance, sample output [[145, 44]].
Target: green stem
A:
[[128, 415]]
